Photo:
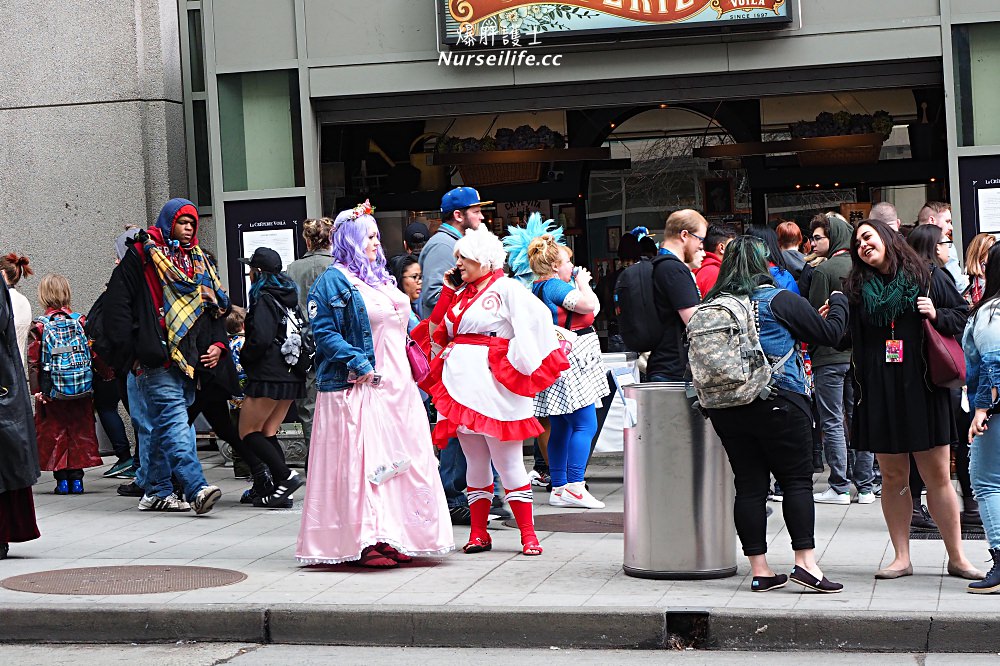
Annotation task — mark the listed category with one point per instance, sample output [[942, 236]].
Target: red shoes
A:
[[530, 545], [478, 544], [382, 556]]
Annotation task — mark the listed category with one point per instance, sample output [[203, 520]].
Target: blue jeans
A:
[[453, 467], [569, 445], [832, 393], [159, 399], [984, 468], [106, 400]]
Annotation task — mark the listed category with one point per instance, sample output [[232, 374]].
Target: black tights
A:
[[267, 450], [764, 438], [216, 412]]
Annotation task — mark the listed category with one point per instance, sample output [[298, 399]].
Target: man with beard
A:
[[675, 293]]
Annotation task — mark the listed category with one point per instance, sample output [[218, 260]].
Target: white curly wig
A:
[[480, 245]]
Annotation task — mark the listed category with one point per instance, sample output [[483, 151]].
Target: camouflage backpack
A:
[[728, 365]]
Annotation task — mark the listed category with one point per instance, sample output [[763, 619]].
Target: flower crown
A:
[[365, 208]]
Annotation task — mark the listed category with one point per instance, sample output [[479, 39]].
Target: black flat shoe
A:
[[806, 579], [768, 583]]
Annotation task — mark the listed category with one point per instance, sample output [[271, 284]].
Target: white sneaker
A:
[[556, 497], [170, 504], [577, 495], [866, 498], [831, 496]]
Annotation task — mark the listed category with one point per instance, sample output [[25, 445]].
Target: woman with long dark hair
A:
[[897, 411], [773, 436], [981, 343], [930, 243]]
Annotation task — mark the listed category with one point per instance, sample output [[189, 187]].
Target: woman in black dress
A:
[[272, 382], [897, 410]]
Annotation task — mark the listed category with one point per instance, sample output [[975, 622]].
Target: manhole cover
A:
[[583, 522], [122, 580]]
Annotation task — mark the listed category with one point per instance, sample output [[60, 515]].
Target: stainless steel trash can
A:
[[678, 490]]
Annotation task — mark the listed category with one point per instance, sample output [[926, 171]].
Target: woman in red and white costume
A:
[[498, 349]]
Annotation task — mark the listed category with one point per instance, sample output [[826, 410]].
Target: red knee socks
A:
[[480, 501], [519, 500]]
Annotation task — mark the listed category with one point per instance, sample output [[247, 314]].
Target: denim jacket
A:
[[981, 343], [342, 330], [776, 340]]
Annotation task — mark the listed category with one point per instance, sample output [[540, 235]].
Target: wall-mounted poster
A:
[[979, 179], [273, 223], [518, 23]]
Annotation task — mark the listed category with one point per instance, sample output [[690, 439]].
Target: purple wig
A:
[[348, 248]]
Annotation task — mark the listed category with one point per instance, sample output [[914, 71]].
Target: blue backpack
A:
[[65, 357]]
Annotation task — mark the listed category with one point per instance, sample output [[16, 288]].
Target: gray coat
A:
[[436, 257], [18, 447], [306, 269]]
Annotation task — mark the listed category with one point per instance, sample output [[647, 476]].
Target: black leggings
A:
[[216, 411], [763, 438]]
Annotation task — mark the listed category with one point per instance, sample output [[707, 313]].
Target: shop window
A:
[[260, 130], [977, 61], [203, 172], [196, 60]]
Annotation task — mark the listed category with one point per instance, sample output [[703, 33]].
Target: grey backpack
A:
[[728, 365]]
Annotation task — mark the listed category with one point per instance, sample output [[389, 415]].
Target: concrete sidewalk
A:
[[574, 594]]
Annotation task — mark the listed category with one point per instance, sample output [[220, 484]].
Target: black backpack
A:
[[638, 322]]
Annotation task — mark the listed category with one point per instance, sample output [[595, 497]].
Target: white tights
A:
[[480, 450]]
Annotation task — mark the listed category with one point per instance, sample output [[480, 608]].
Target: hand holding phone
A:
[[454, 276]]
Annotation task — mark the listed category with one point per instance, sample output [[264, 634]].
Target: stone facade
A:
[[91, 132]]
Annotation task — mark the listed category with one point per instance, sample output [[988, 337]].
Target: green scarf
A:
[[885, 301]]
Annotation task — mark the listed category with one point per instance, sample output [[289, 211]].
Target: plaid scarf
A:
[[186, 298]]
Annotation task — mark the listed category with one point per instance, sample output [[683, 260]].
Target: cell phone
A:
[[456, 278], [352, 377]]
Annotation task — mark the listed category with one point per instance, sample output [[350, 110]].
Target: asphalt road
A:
[[213, 654]]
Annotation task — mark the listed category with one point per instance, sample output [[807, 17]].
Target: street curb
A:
[[464, 626], [78, 623], [862, 631], [469, 626]]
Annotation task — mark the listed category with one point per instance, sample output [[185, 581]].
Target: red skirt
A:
[[17, 516], [67, 435]]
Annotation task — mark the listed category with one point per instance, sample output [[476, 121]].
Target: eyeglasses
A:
[[418, 277], [700, 238], [816, 239], [946, 242]]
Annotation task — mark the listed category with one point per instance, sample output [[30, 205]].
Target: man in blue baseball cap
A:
[[460, 210]]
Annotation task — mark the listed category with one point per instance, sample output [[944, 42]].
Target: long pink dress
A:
[[360, 429]]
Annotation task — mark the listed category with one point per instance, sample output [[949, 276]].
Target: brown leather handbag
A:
[[945, 358]]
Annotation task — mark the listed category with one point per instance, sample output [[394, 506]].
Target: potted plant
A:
[[876, 126], [523, 138]]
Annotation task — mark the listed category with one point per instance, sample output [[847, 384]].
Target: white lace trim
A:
[[371, 542]]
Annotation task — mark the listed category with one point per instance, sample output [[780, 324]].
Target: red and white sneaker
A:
[[556, 497], [576, 495]]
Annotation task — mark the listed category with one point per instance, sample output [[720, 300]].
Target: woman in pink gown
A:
[[374, 495]]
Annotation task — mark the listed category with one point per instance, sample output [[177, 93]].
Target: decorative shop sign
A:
[[492, 23]]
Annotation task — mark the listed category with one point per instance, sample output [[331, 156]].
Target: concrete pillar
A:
[[91, 132]]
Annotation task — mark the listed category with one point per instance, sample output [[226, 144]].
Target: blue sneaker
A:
[[76, 487], [62, 487]]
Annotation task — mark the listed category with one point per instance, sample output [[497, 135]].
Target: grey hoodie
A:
[[828, 278]]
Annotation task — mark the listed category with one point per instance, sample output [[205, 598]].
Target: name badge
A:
[[893, 351]]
